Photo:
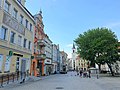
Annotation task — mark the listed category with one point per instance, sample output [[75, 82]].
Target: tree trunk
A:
[[110, 67], [99, 67], [92, 64]]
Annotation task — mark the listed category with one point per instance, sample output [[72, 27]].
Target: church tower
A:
[[74, 49], [73, 57]]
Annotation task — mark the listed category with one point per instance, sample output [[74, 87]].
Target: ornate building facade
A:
[[16, 36], [37, 66]]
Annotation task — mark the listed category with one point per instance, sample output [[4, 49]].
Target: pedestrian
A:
[[81, 72], [89, 72], [77, 72]]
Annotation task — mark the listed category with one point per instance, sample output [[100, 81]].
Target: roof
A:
[[73, 46]]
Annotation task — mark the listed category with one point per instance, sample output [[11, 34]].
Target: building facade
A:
[[54, 58], [69, 64], [48, 52], [81, 63], [64, 61], [74, 55], [78, 62], [16, 36], [37, 66]]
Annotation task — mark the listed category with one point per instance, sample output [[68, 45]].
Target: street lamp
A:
[[97, 69]]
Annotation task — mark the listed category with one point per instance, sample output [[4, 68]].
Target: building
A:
[[81, 63], [37, 66], [48, 52], [61, 61], [58, 59], [77, 61], [54, 58], [69, 64], [64, 61], [16, 37], [74, 55]]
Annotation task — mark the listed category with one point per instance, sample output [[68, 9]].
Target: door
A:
[[23, 68], [40, 68], [33, 70], [17, 64]]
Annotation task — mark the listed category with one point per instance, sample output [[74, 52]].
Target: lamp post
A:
[[97, 70]]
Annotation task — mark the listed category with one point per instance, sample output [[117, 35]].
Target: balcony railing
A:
[[11, 22], [41, 42], [41, 56]]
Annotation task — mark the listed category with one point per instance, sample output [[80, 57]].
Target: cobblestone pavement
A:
[[70, 82]]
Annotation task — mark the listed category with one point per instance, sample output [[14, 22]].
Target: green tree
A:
[[99, 46]]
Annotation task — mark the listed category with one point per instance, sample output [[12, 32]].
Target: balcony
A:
[[41, 42], [41, 56]]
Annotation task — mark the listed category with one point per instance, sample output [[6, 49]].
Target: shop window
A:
[[1, 61]]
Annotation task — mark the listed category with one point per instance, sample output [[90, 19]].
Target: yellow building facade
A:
[[16, 36], [81, 63]]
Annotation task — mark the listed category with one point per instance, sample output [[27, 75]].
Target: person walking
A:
[[81, 72], [89, 72]]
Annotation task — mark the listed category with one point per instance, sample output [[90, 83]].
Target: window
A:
[[19, 40], [7, 6], [12, 37], [15, 13], [3, 33], [17, 64], [26, 23], [21, 19], [7, 64], [1, 61], [19, 1], [24, 44], [29, 45], [30, 27], [0, 2]]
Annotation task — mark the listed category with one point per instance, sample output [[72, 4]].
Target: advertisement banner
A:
[[1, 61], [7, 63]]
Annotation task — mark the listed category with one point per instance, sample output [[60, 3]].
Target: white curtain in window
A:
[[1, 61], [7, 63], [19, 40], [2, 33]]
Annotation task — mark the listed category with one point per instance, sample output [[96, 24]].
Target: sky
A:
[[64, 20]]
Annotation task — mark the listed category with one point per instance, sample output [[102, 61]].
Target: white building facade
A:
[[74, 56], [48, 52], [54, 58]]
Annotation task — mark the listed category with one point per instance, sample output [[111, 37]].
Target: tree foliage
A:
[[98, 45]]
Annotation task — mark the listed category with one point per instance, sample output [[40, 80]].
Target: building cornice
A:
[[25, 10], [4, 47]]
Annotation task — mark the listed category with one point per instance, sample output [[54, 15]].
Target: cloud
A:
[[113, 25], [69, 45]]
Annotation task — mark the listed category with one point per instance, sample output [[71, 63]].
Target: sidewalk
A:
[[28, 80]]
